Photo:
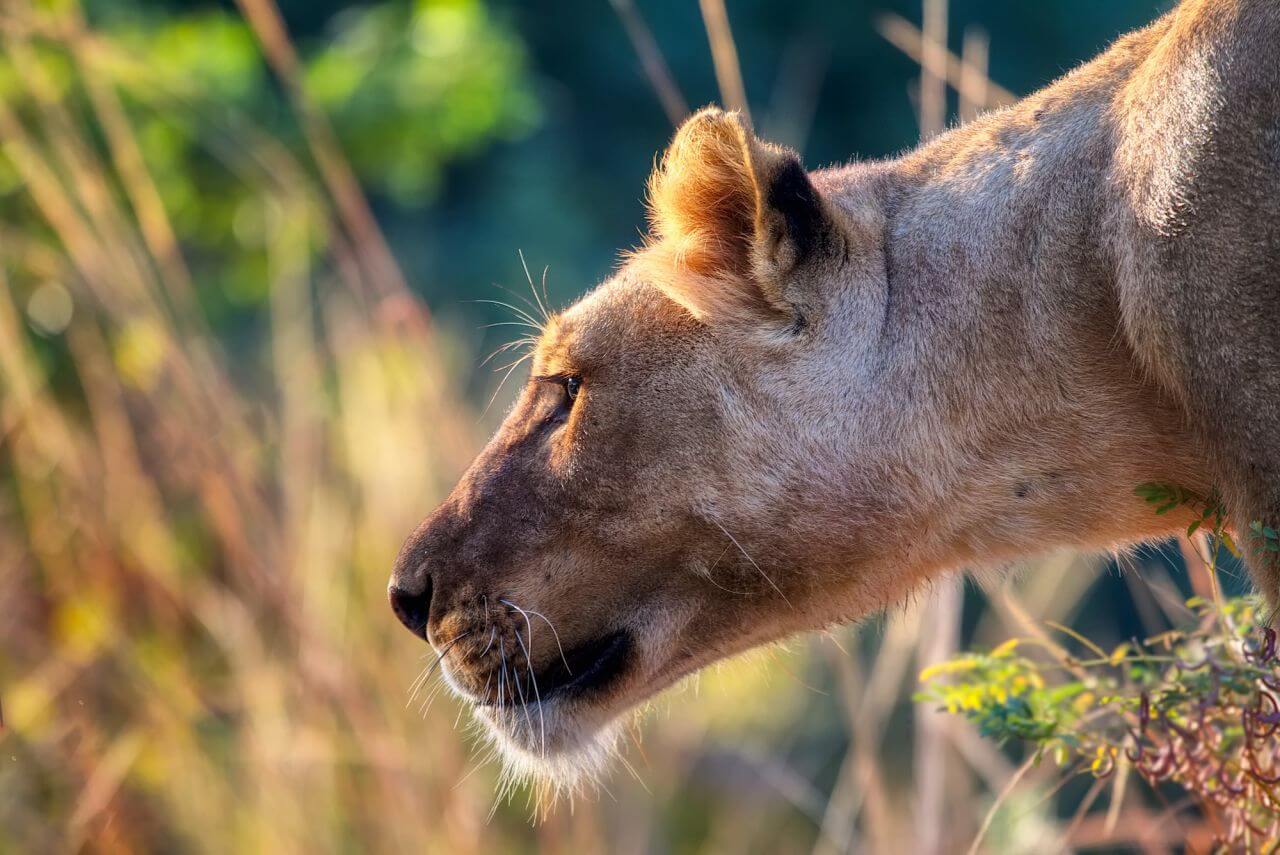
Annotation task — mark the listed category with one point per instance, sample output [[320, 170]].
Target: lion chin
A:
[[549, 747]]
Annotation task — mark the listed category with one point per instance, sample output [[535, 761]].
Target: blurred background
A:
[[244, 249]]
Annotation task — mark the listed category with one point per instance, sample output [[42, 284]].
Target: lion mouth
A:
[[588, 667], [580, 671]]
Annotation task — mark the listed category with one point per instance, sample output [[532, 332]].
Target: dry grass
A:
[[197, 565]]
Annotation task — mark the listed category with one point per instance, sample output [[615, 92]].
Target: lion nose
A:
[[412, 609]]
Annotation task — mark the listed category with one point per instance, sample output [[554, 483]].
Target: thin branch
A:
[[974, 81], [725, 56], [906, 37], [383, 272], [933, 70], [940, 637], [999, 803], [652, 61]]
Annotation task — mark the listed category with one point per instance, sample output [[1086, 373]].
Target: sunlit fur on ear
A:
[[702, 196], [703, 207]]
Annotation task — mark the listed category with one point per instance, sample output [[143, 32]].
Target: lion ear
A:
[[731, 218]]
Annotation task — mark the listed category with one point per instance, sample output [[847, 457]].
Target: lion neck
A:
[[1003, 399]]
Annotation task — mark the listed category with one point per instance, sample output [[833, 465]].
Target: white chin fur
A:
[[543, 745]]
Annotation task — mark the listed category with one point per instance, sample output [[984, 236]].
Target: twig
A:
[[1083, 810], [973, 73], [907, 38], [652, 61], [382, 272], [940, 638], [933, 70], [859, 780], [724, 53], [999, 802]]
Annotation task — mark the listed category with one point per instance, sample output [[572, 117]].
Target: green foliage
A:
[[1211, 513], [408, 89], [1195, 707], [1265, 537], [411, 87]]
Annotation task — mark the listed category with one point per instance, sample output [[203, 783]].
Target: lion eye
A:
[[572, 385]]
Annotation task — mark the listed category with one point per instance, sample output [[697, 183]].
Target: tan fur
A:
[[811, 393]]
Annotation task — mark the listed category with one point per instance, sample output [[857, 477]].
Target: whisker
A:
[[522, 358], [533, 678], [519, 313], [507, 324], [753, 562], [549, 624], [461, 709], [728, 590], [546, 316], [497, 799], [524, 301], [493, 633], [417, 684], [486, 758], [632, 769], [431, 698], [502, 670], [545, 300], [487, 683], [710, 577], [421, 681], [510, 368], [523, 340], [524, 705], [527, 341], [523, 311]]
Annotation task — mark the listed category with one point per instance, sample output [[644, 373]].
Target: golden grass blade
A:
[[383, 273], [724, 54], [906, 37], [154, 224], [933, 70], [974, 82]]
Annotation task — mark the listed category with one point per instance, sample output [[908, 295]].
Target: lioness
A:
[[810, 393]]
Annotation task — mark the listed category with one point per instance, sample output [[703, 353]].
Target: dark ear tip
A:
[[793, 196], [791, 184]]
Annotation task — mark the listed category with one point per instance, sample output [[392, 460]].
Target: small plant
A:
[[1266, 538], [1212, 514], [1197, 708]]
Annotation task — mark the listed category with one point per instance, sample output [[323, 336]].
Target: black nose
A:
[[412, 609]]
